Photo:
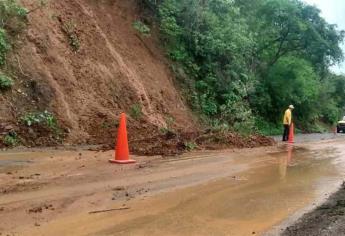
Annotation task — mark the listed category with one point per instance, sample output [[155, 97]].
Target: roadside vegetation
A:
[[12, 22], [40, 118], [11, 139], [242, 63]]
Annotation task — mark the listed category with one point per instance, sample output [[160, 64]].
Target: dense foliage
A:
[[245, 61], [12, 21]]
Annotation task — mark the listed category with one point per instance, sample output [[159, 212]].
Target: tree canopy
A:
[[247, 60]]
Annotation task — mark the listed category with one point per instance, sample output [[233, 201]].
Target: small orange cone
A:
[[121, 150], [291, 134]]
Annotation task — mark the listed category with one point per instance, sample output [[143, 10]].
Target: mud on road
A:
[[228, 192]]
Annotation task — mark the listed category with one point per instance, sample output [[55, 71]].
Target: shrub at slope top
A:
[[12, 21], [239, 55], [12, 16]]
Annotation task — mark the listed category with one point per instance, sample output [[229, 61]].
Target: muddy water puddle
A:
[[248, 203]]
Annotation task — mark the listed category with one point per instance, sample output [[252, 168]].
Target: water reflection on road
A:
[[247, 204]]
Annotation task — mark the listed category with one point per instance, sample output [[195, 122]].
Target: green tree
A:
[[245, 58], [285, 27], [12, 17], [292, 81]]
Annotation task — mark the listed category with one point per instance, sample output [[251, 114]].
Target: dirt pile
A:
[[173, 144], [166, 142]]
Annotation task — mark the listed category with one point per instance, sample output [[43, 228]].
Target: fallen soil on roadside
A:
[[327, 219], [146, 139], [175, 143]]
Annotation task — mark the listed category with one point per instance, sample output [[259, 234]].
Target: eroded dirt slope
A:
[[115, 69], [84, 62]]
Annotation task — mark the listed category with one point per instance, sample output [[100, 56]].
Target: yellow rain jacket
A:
[[287, 117]]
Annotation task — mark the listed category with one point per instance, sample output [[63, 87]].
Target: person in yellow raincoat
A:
[[287, 122]]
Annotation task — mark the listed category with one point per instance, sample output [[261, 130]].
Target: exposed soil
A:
[[171, 143], [327, 219], [114, 70]]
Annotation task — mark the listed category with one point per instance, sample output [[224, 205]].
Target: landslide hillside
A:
[[115, 69], [81, 63]]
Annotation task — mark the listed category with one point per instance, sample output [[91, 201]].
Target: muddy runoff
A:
[[233, 192]]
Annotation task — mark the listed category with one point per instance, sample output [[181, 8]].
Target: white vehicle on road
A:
[[341, 125]]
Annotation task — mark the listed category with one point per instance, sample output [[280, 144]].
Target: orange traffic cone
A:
[[291, 134], [121, 151]]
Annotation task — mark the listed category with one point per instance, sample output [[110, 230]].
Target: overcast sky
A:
[[334, 12]]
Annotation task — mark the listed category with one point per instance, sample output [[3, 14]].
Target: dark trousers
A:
[[286, 132]]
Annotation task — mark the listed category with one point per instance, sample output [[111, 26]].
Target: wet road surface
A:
[[241, 192], [303, 138]]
